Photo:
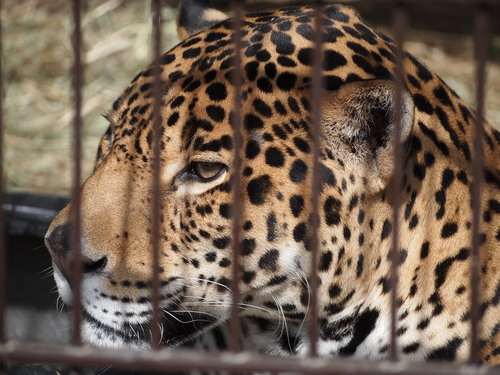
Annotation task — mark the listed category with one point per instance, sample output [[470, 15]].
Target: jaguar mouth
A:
[[110, 322], [176, 328]]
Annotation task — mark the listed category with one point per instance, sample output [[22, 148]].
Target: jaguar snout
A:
[[59, 243]]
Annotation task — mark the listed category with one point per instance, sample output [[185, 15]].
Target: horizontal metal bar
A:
[[174, 360], [28, 210], [30, 214], [466, 2], [265, 4]]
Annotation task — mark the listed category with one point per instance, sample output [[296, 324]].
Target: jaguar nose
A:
[[58, 242]]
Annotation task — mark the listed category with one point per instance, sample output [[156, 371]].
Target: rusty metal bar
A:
[[3, 249], [77, 175], [316, 178], [481, 54], [237, 206], [173, 360], [156, 188], [399, 23], [451, 2]]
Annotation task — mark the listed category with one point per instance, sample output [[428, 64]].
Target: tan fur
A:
[[356, 213]]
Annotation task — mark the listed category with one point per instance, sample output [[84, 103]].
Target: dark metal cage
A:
[[234, 360]]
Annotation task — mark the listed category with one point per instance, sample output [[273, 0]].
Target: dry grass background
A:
[[37, 57], [38, 99]]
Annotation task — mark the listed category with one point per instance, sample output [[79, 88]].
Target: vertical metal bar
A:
[[237, 206], [481, 51], [77, 172], [156, 201], [399, 22], [316, 182], [3, 250]]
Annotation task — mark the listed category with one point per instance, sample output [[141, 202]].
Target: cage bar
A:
[[77, 175], [3, 249], [313, 240], [177, 360], [237, 206], [482, 25], [395, 2], [156, 171], [399, 24]]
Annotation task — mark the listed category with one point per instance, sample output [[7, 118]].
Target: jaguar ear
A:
[[196, 15], [359, 123]]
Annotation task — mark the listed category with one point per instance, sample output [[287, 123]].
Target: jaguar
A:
[[357, 194]]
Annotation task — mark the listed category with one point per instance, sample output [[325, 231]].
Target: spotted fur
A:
[[356, 224]]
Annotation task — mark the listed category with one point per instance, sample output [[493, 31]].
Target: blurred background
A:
[[37, 60]]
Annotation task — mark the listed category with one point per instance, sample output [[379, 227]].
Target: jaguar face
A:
[[195, 206]]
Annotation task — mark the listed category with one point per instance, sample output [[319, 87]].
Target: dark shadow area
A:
[[29, 277]]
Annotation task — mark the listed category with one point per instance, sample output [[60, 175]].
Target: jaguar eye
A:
[[207, 171]]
